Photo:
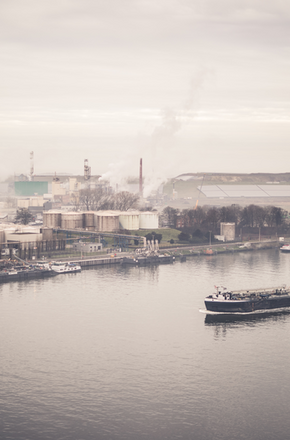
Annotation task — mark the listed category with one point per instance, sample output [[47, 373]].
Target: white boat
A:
[[285, 248], [65, 267]]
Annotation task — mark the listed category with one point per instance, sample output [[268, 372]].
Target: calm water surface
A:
[[125, 353]]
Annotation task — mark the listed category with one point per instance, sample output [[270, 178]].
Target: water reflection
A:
[[249, 318], [224, 325]]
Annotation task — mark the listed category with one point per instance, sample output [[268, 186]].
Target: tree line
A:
[[209, 218]]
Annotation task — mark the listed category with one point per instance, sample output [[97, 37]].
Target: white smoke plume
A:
[[159, 148]]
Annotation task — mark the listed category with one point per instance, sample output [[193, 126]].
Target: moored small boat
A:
[[285, 248], [65, 267]]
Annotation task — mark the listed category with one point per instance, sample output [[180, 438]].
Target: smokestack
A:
[[87, 170], [31, 166], [140, 180]]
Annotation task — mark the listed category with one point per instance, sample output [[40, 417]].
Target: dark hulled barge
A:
[[245, 301], [144, 260], [13, 272]]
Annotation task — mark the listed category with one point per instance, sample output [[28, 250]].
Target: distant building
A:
[[228, 231], [87, 247], [30, 188]]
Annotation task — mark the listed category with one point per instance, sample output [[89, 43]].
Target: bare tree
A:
[[188, 216], [230, 213], [199, 215], [212, 218], [93, 199], [75, 201], [125, 200], [170, 216], [87, 199], [99, 199]]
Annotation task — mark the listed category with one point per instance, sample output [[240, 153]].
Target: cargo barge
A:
[[147, 260], [21, 273], [245, 301]]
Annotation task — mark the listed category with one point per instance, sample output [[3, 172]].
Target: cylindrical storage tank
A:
[[89, 220], [2, 237], [52, 219], [72, 220], [129, 220], [108, 221], [149, 220], [96, 221]]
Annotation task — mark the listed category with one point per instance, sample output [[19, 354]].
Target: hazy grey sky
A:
[[189, 85]]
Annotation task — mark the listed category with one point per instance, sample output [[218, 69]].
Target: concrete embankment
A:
[[219, 248], [189, 251], [99, 261]]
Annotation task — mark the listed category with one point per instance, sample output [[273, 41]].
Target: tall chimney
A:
[[31, 166], [140, 180]]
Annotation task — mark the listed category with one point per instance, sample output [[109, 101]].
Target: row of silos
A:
[[101, 221]]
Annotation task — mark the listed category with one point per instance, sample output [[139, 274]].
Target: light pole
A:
[[210, 238]]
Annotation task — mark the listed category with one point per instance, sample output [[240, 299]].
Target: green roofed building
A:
[[30, 188]]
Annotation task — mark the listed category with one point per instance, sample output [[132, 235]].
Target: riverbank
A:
[[182, 252]]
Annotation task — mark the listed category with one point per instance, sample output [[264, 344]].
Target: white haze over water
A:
[[189, 86]]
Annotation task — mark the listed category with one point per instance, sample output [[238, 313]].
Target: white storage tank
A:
[[129, 220], [72, 220], [52, 219], [106, 221], [149, 220]]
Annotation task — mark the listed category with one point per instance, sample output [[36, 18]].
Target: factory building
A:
[[30, 188], [19, 234], [87, 247], [227, 230]]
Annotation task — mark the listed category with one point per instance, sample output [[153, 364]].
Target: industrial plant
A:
[[88, 204]]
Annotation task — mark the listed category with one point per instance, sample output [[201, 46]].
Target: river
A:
[[125, 353]]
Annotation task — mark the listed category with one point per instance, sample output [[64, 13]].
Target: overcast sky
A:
[[189, 85]]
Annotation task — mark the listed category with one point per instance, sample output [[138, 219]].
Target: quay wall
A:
[[99, 261], [186, 252]]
